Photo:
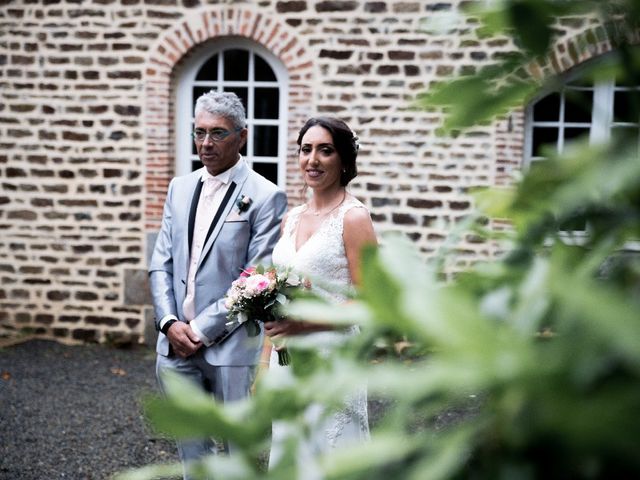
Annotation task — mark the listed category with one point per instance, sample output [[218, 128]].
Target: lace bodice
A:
[[322, 257]]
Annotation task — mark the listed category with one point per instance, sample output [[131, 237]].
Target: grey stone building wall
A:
[[87, 144]]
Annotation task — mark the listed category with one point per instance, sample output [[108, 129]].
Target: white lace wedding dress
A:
[[321, 258]]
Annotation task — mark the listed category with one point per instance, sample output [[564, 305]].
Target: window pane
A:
[[626, 134], [236, 65], [265, 141], [209, 71], [263, 72], [195, 165], [576, 133], [197, 92], [625, 106], [547, 109], [266, 103], [267, 170], [578, 105], [543, 136], [242, 93]]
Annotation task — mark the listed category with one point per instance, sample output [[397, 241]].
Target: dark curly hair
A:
[[343, 139]]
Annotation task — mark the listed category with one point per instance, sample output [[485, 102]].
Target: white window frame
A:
[[599, 128], [602, 124], [601, 118], [184, 102]]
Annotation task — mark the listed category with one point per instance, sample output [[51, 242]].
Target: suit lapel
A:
[[235, 187], [192, 212], [221, 208]]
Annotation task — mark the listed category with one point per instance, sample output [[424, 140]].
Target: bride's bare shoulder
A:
[[357, 224], [356, 212]]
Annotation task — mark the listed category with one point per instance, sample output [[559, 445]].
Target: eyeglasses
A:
[[216, 134]]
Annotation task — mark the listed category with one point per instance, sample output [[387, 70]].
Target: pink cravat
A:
[[207, 206]]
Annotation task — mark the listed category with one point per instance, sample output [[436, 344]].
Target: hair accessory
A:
[[355, 140]]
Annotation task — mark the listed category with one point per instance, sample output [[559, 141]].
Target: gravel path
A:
[[74, 412]]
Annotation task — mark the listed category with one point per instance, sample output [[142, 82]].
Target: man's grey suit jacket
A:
[[239, 239]]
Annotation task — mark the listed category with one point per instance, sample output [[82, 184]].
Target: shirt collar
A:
[[223, 177]]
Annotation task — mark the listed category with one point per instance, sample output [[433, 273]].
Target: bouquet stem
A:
[[283, 357]]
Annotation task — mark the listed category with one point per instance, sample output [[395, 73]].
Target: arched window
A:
[[259, 79], [580, 108]]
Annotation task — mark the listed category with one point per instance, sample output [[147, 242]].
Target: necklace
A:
[[319, 214]]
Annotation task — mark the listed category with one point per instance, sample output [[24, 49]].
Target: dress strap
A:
[[350, 203], [336, 221], [292, 220]]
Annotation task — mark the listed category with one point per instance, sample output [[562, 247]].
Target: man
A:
[[216, 222]]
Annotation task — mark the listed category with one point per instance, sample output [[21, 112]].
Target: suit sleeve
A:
[[161, 266], [266, 230]]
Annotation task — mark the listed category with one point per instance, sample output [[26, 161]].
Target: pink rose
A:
[[248, 272], [257, 283]]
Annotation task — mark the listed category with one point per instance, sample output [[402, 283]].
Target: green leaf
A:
[[187, 411], [313, 310], [252, 328], [152, 472], [531, 21], [475, 100], [382, 292], [232, 467], [367, 456], [609, 315], [530, 312], [445, 457], [495, 202], [493, 21]]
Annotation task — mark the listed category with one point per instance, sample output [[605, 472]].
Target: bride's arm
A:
[[358, 232]]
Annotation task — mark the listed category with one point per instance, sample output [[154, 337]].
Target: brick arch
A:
[[568, 52], [177, 42], [573, 50]]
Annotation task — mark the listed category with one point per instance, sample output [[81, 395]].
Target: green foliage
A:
[[527, 367], [532, 26], [477, 99]]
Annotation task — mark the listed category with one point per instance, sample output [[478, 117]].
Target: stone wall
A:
[[86, 134]]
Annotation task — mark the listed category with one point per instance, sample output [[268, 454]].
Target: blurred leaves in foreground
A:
[[522, 368]]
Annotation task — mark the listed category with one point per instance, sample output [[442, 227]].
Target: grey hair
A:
[[224, 104]]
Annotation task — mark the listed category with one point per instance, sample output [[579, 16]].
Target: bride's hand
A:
[[283, 328]]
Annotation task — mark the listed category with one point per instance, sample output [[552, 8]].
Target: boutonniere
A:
[[243, 203]]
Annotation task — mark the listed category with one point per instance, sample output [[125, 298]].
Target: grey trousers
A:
[[225, 383]]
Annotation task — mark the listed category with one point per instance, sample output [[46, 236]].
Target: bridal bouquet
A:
[[256, 296]]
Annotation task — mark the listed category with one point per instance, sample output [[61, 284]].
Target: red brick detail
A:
[[509, 146]]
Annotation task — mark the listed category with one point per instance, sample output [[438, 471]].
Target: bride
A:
[[322, 240]]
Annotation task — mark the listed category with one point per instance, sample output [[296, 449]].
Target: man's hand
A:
[[183, 340]]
